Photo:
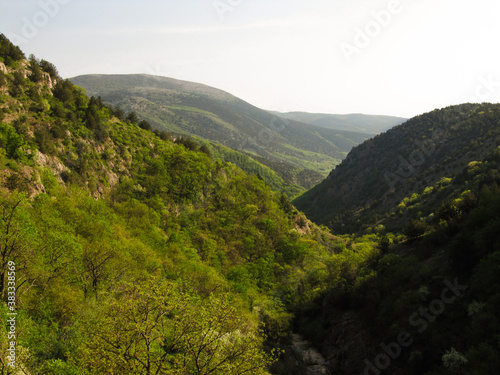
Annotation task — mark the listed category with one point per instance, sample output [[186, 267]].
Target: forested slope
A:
[[137, 255], [409, 163], [301, 154]]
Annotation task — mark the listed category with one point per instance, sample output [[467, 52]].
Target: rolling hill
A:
[[125, 252], [301, 154], [428, 302]]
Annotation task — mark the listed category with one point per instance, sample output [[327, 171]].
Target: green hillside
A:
[[191, 109], [428, 302], [406, 166], [122, 252]]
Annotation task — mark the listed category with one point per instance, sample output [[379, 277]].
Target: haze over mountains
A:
[[301, 153], [371, 124]]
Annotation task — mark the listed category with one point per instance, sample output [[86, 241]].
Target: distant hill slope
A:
[[192, 109], [409, 165], [357, 122]]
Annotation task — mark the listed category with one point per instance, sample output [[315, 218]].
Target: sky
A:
[[388, 57]]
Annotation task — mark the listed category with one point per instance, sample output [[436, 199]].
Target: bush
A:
[[415, 229], [454, 360]]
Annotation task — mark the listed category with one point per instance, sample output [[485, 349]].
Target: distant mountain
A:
[[301, 154], [419, 164], [372, 124]]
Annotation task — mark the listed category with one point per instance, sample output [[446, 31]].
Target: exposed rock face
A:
[[48, 80], [3, 68], [315, 363]]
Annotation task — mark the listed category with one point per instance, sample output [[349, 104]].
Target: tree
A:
[[14, 234], [36, 71], [145, 125], [50, 68], [415, 228], [118, 112], [132, 118], [9, 52], [454, 360], [205, 150], [152, 327]]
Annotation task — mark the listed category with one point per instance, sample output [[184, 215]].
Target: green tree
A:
[[15, 227], [50, 68], [152, 327], [36, 74], [143, 124], [132, 117], [415, 228]]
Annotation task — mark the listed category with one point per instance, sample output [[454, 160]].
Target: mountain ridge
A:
[[191, 109], [359, 122]]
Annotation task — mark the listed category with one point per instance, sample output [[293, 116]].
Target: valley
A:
[[298, 155], [160, 226]]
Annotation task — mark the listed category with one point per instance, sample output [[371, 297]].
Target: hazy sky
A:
[[389, 57]]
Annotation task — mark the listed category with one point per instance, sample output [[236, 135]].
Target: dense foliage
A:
[[435, 282], [135, 254], [413, 161], [440, 289], [138, 253]]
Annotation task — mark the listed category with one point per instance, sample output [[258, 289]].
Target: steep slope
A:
[[192, 109], [371, 124], [428, 303], [380, 177]]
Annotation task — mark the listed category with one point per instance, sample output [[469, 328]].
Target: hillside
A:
[[371, 124], [123, 252], [428, 302], [409, 165], [430, 188], [299, 153]]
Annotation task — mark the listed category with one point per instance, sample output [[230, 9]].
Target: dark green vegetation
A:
[[431, 185], [406, 172], [357, 122], [298, 154], [135, 254]]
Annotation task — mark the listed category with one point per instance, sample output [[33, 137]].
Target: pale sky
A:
[[389, 57]]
